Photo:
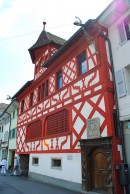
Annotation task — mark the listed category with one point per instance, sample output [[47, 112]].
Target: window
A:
[[13, 114], [124, 30], [59, 79], [31, 99], [7, 120], [58, 123], [121, 85], [35, 161], [1, 129], [46, 88], [39, 93], [36, 68], [17, 111], [127, 76], [12, 133], [6, 135], [43, 91], [22, 106], [56, 163], [82, 65], [34, 131]]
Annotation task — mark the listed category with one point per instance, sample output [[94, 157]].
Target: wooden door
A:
[[99, 170]]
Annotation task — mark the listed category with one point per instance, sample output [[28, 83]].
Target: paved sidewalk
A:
[[19, 185]]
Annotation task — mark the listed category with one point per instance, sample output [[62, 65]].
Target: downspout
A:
[[119, 123]]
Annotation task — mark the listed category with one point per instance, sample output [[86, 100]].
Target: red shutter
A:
[[34, 131], [58, 123]]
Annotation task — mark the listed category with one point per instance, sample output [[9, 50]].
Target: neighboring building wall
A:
[[4, 145], [2, 108], [12, 137], [1, 135], [122, 67], [118, 22]]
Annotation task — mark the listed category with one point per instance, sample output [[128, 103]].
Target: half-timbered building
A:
[[65, 132]]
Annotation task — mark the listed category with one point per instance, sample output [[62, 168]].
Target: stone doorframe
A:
[[87, 147]]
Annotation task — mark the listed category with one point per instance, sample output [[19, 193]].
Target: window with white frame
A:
[[124, 30]]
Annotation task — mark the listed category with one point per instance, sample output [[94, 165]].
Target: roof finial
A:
[[44, 23]]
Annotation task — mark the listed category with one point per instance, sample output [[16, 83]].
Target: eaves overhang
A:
[[10, 108], [68, 43], [113, 12]]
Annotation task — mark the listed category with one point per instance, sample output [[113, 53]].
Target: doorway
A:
[[96, 156], [24, 163], [99, 170]]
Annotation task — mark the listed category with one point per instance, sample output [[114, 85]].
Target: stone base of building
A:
[[54, 181]]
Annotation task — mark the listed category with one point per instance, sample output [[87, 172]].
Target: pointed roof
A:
[[44, 39]]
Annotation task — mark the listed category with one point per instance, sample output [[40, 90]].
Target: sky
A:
[[21, 22]]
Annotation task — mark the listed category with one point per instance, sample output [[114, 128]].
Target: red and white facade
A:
[[54, 152]]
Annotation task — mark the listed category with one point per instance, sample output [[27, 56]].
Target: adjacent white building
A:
[[116, 17], [8, 136], [2, 108]]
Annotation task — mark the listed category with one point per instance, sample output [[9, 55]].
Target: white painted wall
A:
[[12, 142], [70, 163], [121, 57]]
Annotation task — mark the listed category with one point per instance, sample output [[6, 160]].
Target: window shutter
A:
[[122, 33], [34, 131], [58, 123], [121, 87]]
